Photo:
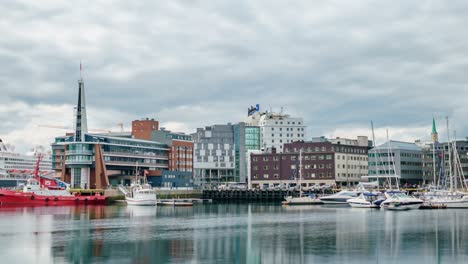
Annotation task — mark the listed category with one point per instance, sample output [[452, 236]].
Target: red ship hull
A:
[[8, 197]]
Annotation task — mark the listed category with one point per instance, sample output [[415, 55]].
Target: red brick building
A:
[[142, 129]]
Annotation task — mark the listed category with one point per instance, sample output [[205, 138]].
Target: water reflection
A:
[[237, 233]]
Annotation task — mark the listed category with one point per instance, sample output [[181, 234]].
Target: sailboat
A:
[[139, 194], [449, 198], [302, 199]]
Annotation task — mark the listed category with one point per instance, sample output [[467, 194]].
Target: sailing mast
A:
[[450, 156], [300, 172], [375, 156]]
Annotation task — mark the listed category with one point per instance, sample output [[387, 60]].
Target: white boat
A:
[[447, 199], [309, 199], [366, 200], [139, 194], [301, 200], [397, 200], [341, 197]]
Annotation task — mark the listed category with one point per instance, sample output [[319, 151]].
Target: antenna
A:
[[81, 69]]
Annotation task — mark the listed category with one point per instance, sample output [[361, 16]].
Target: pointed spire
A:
[[434, 134]]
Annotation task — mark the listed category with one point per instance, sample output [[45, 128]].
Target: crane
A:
[[69, 128]]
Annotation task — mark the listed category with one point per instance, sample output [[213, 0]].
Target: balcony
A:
[[134, 155], [79, 152], [79, 162], [126, 163]]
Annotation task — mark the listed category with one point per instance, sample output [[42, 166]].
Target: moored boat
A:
[[366, 200], [341, 197], [397, 200]]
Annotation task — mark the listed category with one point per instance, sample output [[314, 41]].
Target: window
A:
[[255, 167], [276, 167], [320, 157], [265, 158], [329, 157], [276, 176], [293, 167], [307, 166], [275, 158], [293, 157], [265, 176], [265, 167]]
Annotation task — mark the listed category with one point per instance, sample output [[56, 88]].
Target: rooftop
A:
[[399, 145]]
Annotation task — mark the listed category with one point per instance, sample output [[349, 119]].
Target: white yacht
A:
[[397, 200], [366, 200], [341, 197]]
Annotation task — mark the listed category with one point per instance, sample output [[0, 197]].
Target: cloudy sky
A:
[[338, 64]]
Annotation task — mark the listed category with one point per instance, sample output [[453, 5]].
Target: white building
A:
[[277, 129]]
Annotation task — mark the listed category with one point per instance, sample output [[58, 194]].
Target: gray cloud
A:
[[337, 63]]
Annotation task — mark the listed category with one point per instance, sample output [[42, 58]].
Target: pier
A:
[[253, 195]]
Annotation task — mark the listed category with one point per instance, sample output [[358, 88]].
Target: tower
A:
[[81, 124], [434, 134]]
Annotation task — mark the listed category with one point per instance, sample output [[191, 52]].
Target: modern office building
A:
[[402, 160], [214, 158], [323, 163], [246, 139], [276, 129]]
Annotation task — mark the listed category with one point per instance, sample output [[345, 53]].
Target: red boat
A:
[[45, 191]]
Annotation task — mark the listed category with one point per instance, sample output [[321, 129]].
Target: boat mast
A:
[[375, 156], [388, 160], [449, 156], [300, 172], [434, 140]]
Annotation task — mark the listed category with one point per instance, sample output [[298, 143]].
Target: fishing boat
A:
[[366, 200], [46, 191], [301, 200], [139, 194]]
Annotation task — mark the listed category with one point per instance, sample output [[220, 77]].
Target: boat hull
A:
[[149, 202], [335, 200], [8, 197], [301, 201], [399, 206]]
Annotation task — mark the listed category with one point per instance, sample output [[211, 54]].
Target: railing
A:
[[127, 154], [70, 162], [79, 152], [126, 163]]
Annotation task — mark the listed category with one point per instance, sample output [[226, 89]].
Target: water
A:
[[235, 233]]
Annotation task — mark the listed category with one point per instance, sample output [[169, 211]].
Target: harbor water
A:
[[231, 233]]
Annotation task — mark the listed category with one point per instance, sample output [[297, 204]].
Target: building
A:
[[214, 158], [143, 129], [402, 160], [276, 129], [323, 162], [246, 139], [98, 160], [180, 149]]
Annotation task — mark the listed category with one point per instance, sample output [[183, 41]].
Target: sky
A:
[[189, 64]]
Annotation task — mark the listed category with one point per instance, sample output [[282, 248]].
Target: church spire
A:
[[434, 134]]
